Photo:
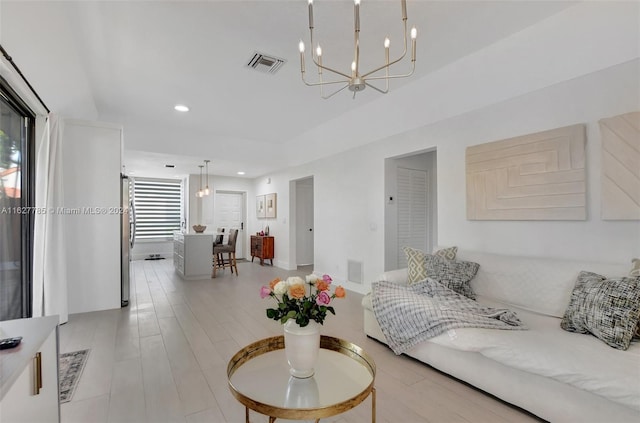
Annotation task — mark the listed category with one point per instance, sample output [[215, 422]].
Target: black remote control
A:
[[10, 342]]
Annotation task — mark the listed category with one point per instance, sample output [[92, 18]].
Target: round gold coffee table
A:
[[259, 378]]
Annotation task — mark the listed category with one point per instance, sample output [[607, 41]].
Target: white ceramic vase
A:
[[301, 346]]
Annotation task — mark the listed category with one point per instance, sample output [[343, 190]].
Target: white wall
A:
[[577, 66], [350, 197], [584, 100], [92, 163], [278, 227], [584, 38]]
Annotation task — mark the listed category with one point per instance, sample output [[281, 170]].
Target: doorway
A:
[[304, 222], [229, 212]]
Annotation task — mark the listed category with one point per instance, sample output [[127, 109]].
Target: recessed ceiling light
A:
[[241, 173], [181, 108]]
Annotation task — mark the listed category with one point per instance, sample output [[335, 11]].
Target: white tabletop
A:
[[266, 379]]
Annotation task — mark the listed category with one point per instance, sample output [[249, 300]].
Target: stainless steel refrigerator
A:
[[128, 236]]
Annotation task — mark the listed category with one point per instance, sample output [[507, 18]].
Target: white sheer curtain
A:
[[49, 257]]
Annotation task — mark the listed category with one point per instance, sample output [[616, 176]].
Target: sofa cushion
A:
[[635, 267], [455, 275], [446, 253], [606, 308], [416, 261], [635, 271], [415, 264]]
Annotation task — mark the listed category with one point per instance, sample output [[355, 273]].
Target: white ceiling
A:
[[130, 62]]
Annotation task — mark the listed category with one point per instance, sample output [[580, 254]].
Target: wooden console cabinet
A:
[[262, 247]]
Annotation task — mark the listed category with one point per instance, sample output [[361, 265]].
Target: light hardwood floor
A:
[[163, 358]]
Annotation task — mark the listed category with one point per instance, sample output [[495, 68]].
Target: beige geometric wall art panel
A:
[[538, 176], [621, 167]]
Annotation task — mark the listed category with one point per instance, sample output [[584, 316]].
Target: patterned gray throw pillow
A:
[[455, 275], [606, 308]]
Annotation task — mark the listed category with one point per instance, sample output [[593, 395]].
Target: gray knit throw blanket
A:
[[411, 314]]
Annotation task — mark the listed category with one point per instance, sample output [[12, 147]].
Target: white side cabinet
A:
[[30, 371], [193, 255]]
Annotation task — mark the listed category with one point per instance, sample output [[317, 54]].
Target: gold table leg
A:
[[373, 405]]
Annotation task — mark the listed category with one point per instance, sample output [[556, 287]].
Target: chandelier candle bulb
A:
[[356, 15], [414, 35], [387, 42], [301, 48], [404, 10], [319, 54], [310, 14]]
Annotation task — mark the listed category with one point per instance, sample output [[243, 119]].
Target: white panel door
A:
[[412, 211], [304, 223], [228, 213]]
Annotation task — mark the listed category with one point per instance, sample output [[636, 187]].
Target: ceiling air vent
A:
[[265, 63]]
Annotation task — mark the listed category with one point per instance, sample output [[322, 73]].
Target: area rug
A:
[[70, 369]]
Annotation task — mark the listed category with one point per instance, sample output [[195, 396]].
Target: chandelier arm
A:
[[374, 78], [316, 84], [334, 93], [404, 53], [377, 89], [313, 57]]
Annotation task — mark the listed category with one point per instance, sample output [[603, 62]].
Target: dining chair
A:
[[219, 261]]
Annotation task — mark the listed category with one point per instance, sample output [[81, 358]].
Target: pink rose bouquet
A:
[[294, 303]]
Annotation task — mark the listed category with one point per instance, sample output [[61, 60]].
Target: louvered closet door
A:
[[412, 211]]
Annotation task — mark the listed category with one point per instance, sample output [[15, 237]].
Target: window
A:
[[17, 131], [158, 207]]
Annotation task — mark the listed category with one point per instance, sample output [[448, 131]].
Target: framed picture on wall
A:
[[260, 208], [271, 205]]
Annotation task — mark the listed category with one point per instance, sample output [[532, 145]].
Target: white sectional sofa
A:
[[556, 375]]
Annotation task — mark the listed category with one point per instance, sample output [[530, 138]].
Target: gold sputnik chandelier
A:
[[357, 81]]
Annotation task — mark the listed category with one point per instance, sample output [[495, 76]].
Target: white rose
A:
[[311, 278], [295, 280], [280, 288]]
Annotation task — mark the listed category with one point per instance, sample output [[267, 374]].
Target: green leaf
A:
[[271, 313], [331, 310]]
